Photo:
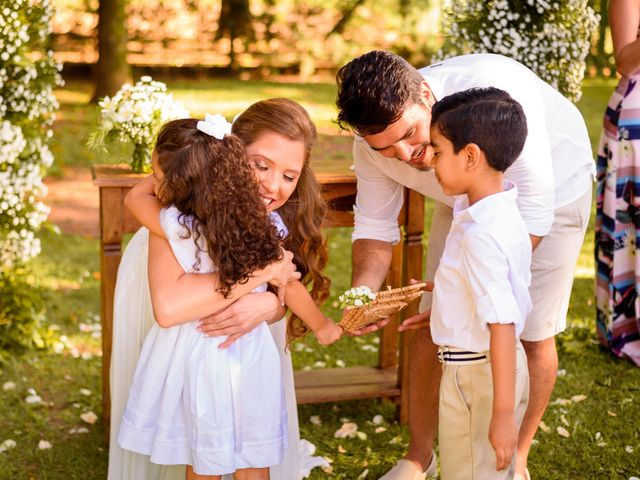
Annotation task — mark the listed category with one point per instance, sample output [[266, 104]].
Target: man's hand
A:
[[372, 327], [503, 436], [241, 317], [416, 322]]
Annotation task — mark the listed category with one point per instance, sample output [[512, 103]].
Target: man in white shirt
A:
[[387, 103]]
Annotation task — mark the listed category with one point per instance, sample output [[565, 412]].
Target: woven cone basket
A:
[[387, 303]]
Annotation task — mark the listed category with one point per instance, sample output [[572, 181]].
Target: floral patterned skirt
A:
[[618, 223]]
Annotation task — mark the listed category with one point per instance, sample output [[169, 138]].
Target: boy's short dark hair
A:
[[374, 90], [488, 117]]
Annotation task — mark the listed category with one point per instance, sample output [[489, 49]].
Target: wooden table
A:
[[388, 379]]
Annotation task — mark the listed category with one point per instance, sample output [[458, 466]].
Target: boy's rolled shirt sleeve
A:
[[378, 201], [487, 272]]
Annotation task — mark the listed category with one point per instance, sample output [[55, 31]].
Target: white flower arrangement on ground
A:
[[356, 297], [133, 116], [28, 74], [552, 38]]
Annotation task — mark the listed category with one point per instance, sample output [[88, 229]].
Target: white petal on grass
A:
[[598, 436], [78, 430], [602, 444], [89, 417], [341, 449], [347, 430], [31, 391], [363, 475], [85, 391], [543, 426], [562, 432], [378, 420], [319, 364], [634, 478], [628, 449], [578, 398], [33, 399], [87, 355], [340, 363], [562, 372], [7, 444], [380, 429], [44, 445], [6, 386], [612, 414], [315, 419], [361, 435], [564, 420]]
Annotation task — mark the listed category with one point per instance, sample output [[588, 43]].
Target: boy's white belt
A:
[[460, 356]]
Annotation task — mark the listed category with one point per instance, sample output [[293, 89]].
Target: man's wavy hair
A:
[[305, 210], [374, 90], [211, 183]]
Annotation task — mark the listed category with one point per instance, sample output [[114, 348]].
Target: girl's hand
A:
[[241, 317], [503, 436], [282, 272], [328, 333]]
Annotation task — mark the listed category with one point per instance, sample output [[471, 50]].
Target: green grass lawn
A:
[[601, 420]]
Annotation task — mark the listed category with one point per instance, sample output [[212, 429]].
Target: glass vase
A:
[[141, 158]]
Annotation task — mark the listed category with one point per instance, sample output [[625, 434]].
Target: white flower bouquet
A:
[[133, 116]]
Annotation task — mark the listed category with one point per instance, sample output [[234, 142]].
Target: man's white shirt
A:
[[555, 168], [484, 276]]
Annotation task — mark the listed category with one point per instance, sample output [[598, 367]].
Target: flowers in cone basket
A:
[[133, 116], [356, 297]]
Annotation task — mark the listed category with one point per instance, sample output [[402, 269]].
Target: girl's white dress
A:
[[193, 403]]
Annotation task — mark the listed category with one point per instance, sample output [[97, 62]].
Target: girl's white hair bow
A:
[[214, 125]]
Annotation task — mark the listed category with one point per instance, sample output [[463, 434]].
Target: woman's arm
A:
[[300, 302], [144, 205], [624, 19], [178, 297]]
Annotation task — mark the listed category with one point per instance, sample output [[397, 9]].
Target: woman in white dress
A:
[[278, 135]]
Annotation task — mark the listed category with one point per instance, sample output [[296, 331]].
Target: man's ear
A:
[[426, 93], [474, 156]]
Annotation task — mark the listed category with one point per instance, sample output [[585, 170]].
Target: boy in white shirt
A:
[[481, 294]]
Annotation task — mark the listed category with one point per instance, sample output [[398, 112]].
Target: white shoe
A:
[[407, 470]]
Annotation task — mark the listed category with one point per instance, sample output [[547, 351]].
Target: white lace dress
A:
[[192, 403]]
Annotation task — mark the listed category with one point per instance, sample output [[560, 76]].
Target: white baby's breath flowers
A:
[[356, 297], [28, 74], [134, 116], [551, 38]]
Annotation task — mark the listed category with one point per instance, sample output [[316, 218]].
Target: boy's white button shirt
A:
[[484, 272]]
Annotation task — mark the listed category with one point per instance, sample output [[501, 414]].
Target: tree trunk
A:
[[112, 69], [346, 15]]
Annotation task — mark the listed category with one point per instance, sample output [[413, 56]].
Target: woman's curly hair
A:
[[211, 183], [305, 210]]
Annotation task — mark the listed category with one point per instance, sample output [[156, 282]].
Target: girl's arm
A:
[[503, 432], [300, 302], [624, 19], [178, 297], [144, 205]]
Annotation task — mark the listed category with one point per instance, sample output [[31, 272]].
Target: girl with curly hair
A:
[[216, 410]]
